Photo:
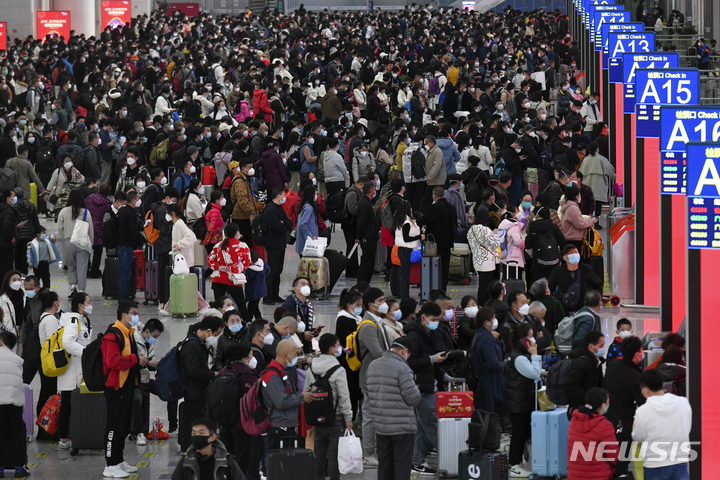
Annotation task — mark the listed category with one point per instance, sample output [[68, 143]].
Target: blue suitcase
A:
[[549, 442], [200, 272]]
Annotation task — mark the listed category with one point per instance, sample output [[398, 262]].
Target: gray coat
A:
[[372, 342], [338, 383], [281, 398], [393, 394]]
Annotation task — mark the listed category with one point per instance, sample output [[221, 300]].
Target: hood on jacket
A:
[[498, 306], [322, 364], [663, 405], [584, 422], [270, 152], [444, 143], [258, 266], [508, 224], [583, 352]]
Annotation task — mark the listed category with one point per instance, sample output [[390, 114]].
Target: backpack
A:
[[223, 399], [499, 167], [353, 358], [183, 187], [168, 376], [151, 231], [44, 159], [386, 216], [417, 162], [80, 163], [8, 177], [546, 249], [571, 297], [254, 415], [92, 361], [334, 207], [472, 189], [505, 243], [199, 228], [433, 86], [294, 164], [54, 357], [408, 106], [258, 233], [321, 412], [211, 75], [159, 152], [109, 233], [178, 157], [556, 381], [565, 333]]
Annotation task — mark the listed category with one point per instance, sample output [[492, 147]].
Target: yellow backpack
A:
[[353, 358], [592, 243], [55, 359]]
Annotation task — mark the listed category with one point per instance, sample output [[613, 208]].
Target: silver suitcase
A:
[[452, 439]]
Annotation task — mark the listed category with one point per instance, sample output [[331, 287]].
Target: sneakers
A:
[[432, 452], [141, 440], [370, 461], [423, 469], [64, 445], [126, 467], [278, 299], [22, 472], [519, 471], [115, 472], [268, 301]]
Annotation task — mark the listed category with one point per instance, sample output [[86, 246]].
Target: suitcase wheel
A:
[[145, 302], [466, 281], [74, 451]]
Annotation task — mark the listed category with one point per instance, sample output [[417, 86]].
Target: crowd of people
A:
[[226, 140]]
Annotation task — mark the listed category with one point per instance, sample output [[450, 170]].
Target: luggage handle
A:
[[352, 252], [461, 381], [507, 270]]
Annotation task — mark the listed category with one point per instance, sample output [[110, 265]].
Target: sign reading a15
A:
[[653, 88]]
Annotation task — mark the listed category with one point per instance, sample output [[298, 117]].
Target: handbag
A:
[[314, 248], [292, 237], [484, 431], [382, 168], [80, 237], [430, 248], [48, 418], [236, 278]]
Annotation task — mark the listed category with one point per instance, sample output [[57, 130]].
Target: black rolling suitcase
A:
[[152, 276], [87, 424], [515, 284], [110, 278], [296, 464], [338, 262]]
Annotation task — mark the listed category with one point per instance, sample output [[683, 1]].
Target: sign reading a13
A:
[[626, 42]]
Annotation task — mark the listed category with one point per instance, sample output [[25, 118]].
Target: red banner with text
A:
[[115, 13], [3, 36], [189, 9], [53, 23]]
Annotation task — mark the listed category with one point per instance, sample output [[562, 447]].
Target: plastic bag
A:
[[48, 418], [314, 248], [350, 456]]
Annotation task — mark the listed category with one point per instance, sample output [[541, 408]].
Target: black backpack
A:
[[44, 159], [417, 162], [223, 399], [321, 411], [294, 164], [179, 156], [92, 361], [472, 189], [258, 233], [334, 207], [199, 228], [109, 229], [556, 381], [547, 249]]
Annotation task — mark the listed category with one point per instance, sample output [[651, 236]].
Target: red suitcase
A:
[[209, 177], [415, 271], [140, 269], [453, 404]]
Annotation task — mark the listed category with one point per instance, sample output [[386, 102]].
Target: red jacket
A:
[[236, 256], [262, 104], [114, 362], [214, 223], [585, 429]]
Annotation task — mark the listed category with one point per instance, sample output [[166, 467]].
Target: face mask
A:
[[251, 172], [518, 150], [526, 205], [14, 201], [134, 319], [574, 258], [449, 314], [151, 340], [292, 362], [168, 217], [130, 161], [357, 311], [338, 352], [471, 311], [193, 169], [625, 334], [524, 309], [163, 181], [200, 441], [30, 293], [301, 327], [31, 140], [433, 325], [268, 340], [43, 236], [141, 184], [211, 341], [495, 324], [67, 165], [600, 352], [383, 308], [397, 315], [16, 285], [235, 328]]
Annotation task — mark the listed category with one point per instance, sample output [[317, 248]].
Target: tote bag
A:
[[80, 236]]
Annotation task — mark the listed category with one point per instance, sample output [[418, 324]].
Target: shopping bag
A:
[[545, 404], [80, 237], [180, 265], [48, 418], [315, 248], [350, 456]]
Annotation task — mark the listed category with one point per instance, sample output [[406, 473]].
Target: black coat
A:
[[194, 368], [8, 222], [128, 231], [535, 230], [585, 373], [423, 344], [519, 391], [621, 381], [368, 227], [276, 225], [560, 280], [441, 222]]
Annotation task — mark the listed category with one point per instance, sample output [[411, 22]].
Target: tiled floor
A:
[[158, 460]]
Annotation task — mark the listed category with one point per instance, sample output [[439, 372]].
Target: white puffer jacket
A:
[[76, 336], [11, 382]]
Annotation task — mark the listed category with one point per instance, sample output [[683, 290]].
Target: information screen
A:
[[626, 42], [590, 23], [654, 88], [607, 28], [703, 195], [635, 61], [115, 13], [53, 23], [602, 18]]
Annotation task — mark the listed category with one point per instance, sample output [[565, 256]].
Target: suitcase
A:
[[150, 253], [415, 273], [183, 295], [87, 425], [515, 284], [429, 276], [152, 282], [317, 270], [140, 269], [469, 465], [380, 258], [29, 410], [209, 176], [284, 464], [337, 262], [460, 268], [200, 272], [494, 466], [549, 442], [145, 427], [33, 195], [452, 439], [110, 277]]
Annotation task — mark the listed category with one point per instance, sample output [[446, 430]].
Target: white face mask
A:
[[16, 285], [252, 363], [251, 172], [495, 324], [383, 308], [471, 311], [141, 184], [88, 309], [268, 340], [524, 309], [314, 180], [163, 181], [193, 169], [211, 341], [301, 327], [168, 217], [67, 165], [223, 201], [625, 334], [305, 291]]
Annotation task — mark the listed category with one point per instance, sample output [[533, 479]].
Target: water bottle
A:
[[156, 429]]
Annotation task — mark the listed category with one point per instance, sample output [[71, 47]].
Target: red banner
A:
[[53, 23], [3, 36], [189, 9], [115, 13]]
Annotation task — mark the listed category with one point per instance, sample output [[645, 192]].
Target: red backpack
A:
[[253, 413]]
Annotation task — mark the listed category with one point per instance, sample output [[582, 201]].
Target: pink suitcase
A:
[[29, 412]]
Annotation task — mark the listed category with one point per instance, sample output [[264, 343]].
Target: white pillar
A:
[[82, 15]]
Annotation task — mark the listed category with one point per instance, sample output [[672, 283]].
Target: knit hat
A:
[[237, 351]]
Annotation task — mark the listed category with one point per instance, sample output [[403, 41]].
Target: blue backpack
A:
[[408, 106], [505, 243], [168, 376], [499, 167]]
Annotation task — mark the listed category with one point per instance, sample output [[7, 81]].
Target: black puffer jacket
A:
[[621, 382], [423, 344], [8, 223], [519, 391], [194, 368], [585, 373], [26, 212]]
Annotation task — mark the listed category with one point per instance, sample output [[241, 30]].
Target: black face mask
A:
[[200, 441]]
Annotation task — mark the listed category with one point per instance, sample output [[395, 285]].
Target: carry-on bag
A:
[[317, 270], [452, 437], [183, 295], [29, 411], [295, 464], [152, 281], [550, 442], [430, 276], [140, 269], [110, 278], [513, 283], [87, 425], [200, 272], [337, 262]]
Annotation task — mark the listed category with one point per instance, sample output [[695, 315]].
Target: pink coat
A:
[[573, 222], [515, 253], [243, 111]]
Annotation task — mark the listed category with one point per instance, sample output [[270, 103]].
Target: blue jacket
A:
[[450, 152], [307, 226], [183, 180], [106, 151], [33, 255], [255, 287], [488, 365]]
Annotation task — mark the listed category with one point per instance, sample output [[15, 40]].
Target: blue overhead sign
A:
[[634, 61], [678, 127], [602, 18], [703, 195], [590, 22], [654, 88], [625, 42], [608, 28]]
